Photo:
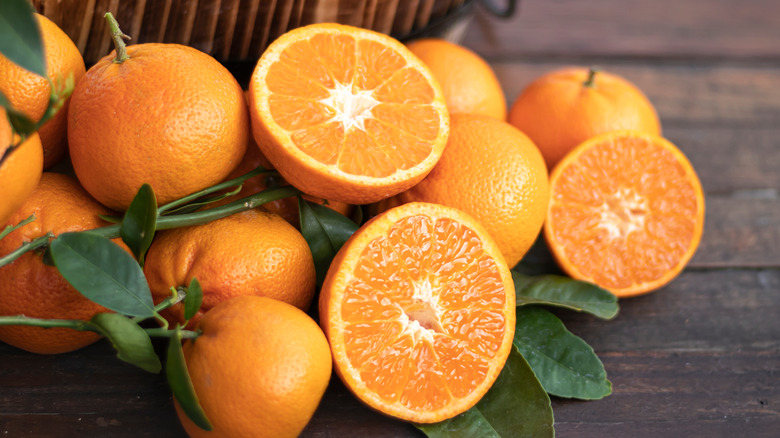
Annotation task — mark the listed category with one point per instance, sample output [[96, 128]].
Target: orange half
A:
[[626, 212], [419, 309], [347, 114]]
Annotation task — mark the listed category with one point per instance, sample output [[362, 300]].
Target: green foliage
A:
[[515, 406], [103, 272], [325, 231], [565, 365], [130, 341], [20, 38], [140, 220], [559, 291], [193, 299], [180, 383]]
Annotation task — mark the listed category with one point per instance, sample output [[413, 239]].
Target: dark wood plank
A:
[[668, 29]]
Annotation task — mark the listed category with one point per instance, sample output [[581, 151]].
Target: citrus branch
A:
[[118, 37]]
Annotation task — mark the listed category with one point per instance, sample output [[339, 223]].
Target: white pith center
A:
[[623, 213], [352, 108], [422, 318]]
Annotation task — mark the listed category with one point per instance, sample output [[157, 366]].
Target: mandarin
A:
[[169, 115], [29, 93], [259, 368], [419, 309], [347, 114], [249, 253], [35, 289], [20, 168], [626, 212], [468, 82], [561, 109]]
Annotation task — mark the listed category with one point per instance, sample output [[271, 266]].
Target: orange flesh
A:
[[625, 213], [369, 114], [423, 313]]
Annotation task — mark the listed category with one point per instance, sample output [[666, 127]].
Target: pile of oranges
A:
[[417, 311]]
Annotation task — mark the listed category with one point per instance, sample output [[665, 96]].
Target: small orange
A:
[[287, 207], [20, 171], [561, 109], [469, 83], [496, 174], [419, 309], [249, 253], [347, 114], [35, 289], [626, 212], [260, 368], [170, 116], [29, 93]]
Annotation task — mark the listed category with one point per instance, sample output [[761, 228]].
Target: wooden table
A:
[[698, 358]]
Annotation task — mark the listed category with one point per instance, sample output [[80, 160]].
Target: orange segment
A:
[[419, 309], [347, 114], [626, 212]]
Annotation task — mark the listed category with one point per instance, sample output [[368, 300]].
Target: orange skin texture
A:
[[170, 116], [248, 253], [469, 83], [287, 207], [496, 174], [34, 289], [558, 112], [30, 93], [259, 368], [20, 171]]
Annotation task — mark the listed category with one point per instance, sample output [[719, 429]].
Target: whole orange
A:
[[260, 368], [250, 253], [493, 172], [561, 109], [287, 207], [20, 170], [170, 116], [30, 93], [35, 289], [469, 83]]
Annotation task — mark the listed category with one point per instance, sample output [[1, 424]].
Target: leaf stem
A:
[[118, 37], [213, 189], [11, 228], [29, 246], [77, 324]]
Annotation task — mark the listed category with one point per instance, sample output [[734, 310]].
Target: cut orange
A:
[[419, 309], [347, 114], [626, 212]]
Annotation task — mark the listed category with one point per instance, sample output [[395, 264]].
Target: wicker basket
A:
[[236, 29]]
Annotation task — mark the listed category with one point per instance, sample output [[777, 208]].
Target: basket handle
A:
[[502, 11]]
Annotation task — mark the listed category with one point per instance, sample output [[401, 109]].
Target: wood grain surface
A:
[[698, 358]]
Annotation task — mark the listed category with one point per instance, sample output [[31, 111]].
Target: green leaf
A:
[[325, 231], [193, 299], [103, 272], [516, 406], [21, 124], [138, 225], [560, 291], [181, 384], [563, 362], [20, 37], [130, 341]]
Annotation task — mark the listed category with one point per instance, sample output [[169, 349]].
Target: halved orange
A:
[[419, 309], [347, 114], [626, 212]]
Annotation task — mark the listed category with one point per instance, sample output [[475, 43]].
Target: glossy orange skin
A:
[[493, 172], [30, 93], [170, 116], [35, 289], [250, 253], [558, 111], [469, 83], [259, 368], [20, 171]]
